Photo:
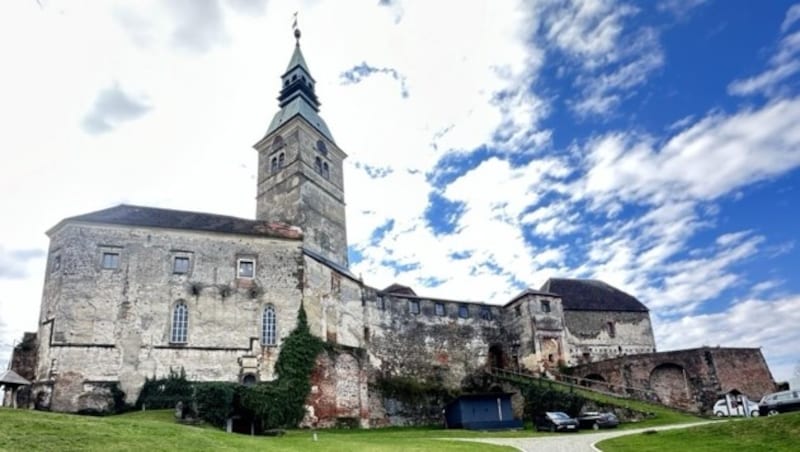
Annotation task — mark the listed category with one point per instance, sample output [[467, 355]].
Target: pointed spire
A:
[[297, 96]]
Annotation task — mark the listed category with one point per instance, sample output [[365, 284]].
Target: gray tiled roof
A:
[[592, 295], [300, 106], [11, 377], [128, 215]]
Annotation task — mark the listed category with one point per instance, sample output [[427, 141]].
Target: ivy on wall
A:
[[274, 404]]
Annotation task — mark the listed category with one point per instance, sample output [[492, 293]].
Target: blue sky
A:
[[653, 145]]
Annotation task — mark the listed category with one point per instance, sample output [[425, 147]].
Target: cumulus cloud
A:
[[709, 159], [752, 322], [112, 107], [199, 24], [196, 26]]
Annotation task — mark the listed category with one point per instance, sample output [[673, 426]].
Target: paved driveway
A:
[[570, 442]]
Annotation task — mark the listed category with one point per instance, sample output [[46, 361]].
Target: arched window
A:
[[180, 323], [278, 143], [325, 171], [268, 326], [318, 165], [281, 158], [322, 148], [274, 164]]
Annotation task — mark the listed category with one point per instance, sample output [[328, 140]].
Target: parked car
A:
[[556, 421], [779, 402], [596, 420], [721, 408]]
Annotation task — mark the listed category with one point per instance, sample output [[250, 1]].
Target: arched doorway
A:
[[668, 381], [594, 381], [497, 358]]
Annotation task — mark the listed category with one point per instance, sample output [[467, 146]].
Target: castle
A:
[[132, 292]]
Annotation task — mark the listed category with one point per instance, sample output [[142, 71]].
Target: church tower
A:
[[300, 167]]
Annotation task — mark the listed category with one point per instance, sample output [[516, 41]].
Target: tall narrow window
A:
[[180, 324], [281, 159], [274, 165], [277, 143], [612, 332], [326, 173], [318, 165], [268, 335], [321, 148]]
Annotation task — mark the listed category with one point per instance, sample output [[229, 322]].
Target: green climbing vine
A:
[[280, 403], [274, 404]]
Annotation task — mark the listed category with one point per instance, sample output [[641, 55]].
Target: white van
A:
[[722, 409]]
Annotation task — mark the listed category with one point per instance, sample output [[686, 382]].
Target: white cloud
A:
[[680, 8], [111, 107], [782, 65], [792, 16], [754, 322], [707, 160]]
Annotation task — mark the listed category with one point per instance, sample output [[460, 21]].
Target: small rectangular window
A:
[[246, 268], [413, 306], [518, 310], [486, 313], [110, 260], [366, 334], [612, 332], [545, 305], [180, 265], [439, 309], [463, 311]]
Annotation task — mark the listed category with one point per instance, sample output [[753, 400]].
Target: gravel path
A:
[[570, 442]]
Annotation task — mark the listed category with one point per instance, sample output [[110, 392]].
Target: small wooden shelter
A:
[[11, 381]]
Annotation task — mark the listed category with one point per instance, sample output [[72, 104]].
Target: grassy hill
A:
[[774, 433], [156, 431]]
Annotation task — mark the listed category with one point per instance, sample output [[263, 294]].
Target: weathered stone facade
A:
[[689, 379], [133, 292]]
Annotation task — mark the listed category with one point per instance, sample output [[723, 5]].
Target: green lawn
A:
[[156, 431], [775, 433]]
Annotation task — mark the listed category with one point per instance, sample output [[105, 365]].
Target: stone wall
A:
[[339, 390], [442, 347], [687, 379], [598, 335], [297, 194], [102, 324]]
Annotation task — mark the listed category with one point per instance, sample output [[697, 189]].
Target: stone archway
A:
[[668, 381], [594, 381]]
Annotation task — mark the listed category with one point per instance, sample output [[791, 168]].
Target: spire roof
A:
[[297, 60], [297, 96]]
